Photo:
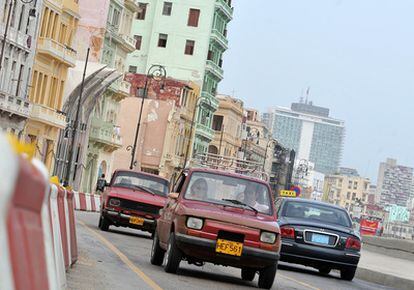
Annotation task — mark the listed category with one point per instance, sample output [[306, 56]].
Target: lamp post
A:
[[157, 73], [6, 30], [192, 126]]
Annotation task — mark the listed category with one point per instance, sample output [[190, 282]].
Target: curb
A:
[[384, 279]]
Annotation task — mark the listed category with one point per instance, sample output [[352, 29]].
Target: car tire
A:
[[248, 274], [103, 223], [173, 256], [157, 253], [267, 277], [324, 270], [348, 273]]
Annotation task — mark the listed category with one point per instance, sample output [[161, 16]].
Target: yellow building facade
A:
[[54, 55], [227, 126]]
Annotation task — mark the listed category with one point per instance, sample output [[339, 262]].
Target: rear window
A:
[[316, 212]]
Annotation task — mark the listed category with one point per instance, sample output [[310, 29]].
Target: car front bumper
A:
[[317, 256], [122, 220], [204, 249]]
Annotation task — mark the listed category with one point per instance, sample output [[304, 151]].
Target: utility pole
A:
[[75, 125]]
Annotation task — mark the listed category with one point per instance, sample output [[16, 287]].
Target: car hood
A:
[[229, 214], [137, 195], [303, 222]]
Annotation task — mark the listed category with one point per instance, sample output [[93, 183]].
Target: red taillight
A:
[[353, 243], [287, 232]]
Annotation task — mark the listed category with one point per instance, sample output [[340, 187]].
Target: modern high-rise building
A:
[[17, 62], [311, 132], [187, 37], [395, 183]]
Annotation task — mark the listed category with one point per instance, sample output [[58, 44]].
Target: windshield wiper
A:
[[238, 202], [143, 189]]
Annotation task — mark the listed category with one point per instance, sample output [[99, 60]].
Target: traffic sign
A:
[[288, 193]]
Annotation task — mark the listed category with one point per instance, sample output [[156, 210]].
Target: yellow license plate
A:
[[229, 247], [136, 220]]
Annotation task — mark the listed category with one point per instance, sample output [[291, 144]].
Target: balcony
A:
[[205, 131], [212, 100], [213, 68], [132, 5], [125, 88], [220, 39], [44, 114], [128, 43], [104, 135], [57, 50], [16, 37], [225, 9], [14, 105]]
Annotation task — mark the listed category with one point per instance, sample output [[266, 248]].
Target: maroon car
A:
[[133, 199]]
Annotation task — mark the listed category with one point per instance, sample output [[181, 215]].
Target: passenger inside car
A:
[[252, 197], [198, 190]]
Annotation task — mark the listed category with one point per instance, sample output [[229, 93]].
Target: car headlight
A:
[[114, 202], [194, 223], [269, 238]]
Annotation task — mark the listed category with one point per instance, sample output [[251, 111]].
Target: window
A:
[[167, 8], [217, 122], [116, 17], [138, 41], [142, 11], [162, 40], [193, 17], [189, 47], [132, 69]]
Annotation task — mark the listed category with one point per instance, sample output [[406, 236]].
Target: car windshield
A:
[[229, 191], [150, 184], [316, 212]]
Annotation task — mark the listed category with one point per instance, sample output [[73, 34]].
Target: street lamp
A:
[[192, 125], [32, 13], [157, 73]]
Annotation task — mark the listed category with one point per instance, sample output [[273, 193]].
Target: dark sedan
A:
[[318, 235]]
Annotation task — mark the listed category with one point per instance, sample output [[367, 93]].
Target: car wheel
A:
[[324, 270], [103, 223], [248, 274], [157, 253], [267, 277], [348, 273], [173, 256]]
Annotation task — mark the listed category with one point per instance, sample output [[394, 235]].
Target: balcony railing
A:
[[219, 37], [225, 8], [48, 115], [125, 88], [207, 132], [215, 69], [212, 100], [16, 36], [57, 50], [104, 133], [14, 105], [128, 42]]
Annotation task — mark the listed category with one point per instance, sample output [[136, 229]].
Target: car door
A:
[[167, 216]]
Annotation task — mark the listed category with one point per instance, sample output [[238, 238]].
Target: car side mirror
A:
[[173, 195]]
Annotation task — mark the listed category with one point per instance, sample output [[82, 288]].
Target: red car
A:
[[133, 199], [221, 218]]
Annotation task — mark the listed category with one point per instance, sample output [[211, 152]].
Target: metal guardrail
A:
[[230, 164]]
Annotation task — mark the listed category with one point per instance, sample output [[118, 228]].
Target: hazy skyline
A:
[[356, 56]]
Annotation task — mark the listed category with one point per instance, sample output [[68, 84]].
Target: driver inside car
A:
[[198, 189]]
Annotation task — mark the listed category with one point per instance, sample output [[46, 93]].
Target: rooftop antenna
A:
[[301, 96], [307, 95]]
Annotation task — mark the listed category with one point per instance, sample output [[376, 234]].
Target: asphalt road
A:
[[119, 259]]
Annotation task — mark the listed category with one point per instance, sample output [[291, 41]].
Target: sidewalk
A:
[[386, 270]]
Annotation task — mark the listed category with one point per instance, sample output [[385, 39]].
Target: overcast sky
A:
[[357, 57]]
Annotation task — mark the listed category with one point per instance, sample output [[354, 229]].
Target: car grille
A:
[[230, 236], [143, 207], [333, 239]]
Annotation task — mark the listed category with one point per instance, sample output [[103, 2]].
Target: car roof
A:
[[304, 200], [142, 173], [225, 173]]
